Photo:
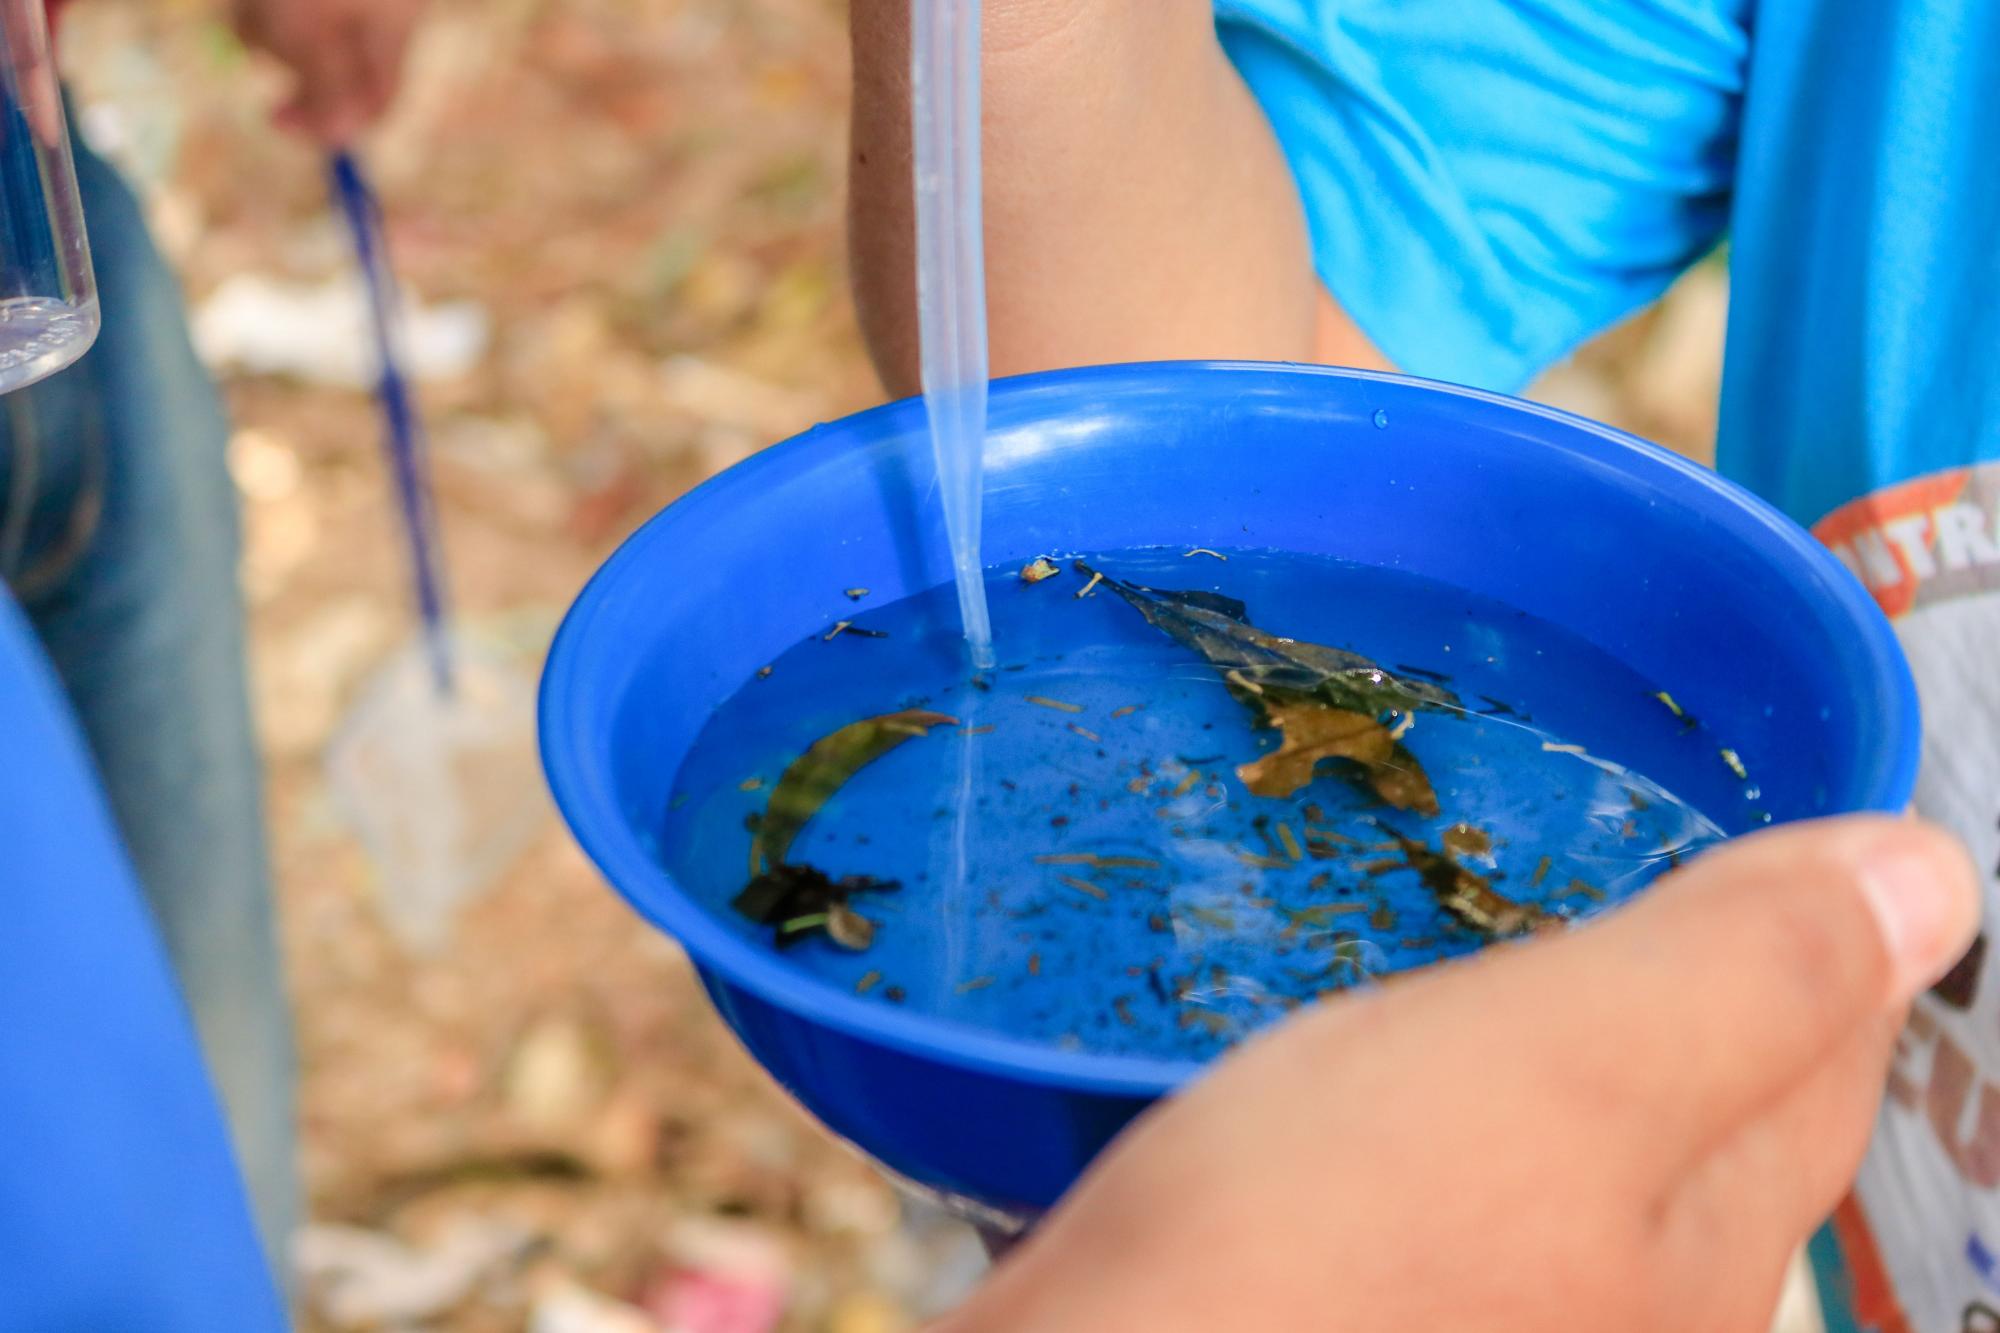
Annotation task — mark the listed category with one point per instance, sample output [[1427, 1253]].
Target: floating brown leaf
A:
[[1402, 783], [1313, 732], [1462, 840]]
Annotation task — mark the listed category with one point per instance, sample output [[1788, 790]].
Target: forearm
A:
[[1137, 205]]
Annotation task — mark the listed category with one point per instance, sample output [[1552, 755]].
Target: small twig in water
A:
[[1041, 701]]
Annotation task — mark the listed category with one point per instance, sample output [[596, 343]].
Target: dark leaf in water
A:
[[799, 901], [763, 899], [1328, 702], [1217, 627], [823, 769]]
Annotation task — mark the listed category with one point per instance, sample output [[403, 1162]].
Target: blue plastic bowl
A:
[[1683, 576]]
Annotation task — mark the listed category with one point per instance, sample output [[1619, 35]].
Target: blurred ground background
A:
[[622, 222]]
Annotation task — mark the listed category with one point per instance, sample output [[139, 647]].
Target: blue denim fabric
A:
[[119, 536]]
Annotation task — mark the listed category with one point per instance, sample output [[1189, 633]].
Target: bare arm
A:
[[1137, 205]]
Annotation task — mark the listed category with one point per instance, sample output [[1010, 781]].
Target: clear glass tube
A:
[[48, 296]]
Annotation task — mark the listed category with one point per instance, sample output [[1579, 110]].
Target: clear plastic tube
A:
[[48, 295], [951, 283]]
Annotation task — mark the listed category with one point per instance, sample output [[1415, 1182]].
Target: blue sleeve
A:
[[120, 1204], [1489, 182]]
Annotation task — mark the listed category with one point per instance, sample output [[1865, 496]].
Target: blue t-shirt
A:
[[1488, 182], [120, 1204]]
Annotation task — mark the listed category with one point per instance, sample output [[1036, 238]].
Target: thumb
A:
[[1737, 978]]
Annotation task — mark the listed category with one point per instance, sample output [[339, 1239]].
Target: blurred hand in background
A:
[[345, 56]]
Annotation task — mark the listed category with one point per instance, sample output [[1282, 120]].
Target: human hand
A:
[[1630, 1126], [346, 57]]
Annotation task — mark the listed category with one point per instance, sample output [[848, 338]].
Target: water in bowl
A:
[[1077, 858]]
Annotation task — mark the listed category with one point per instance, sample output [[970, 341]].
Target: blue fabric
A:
[[120, 1206], [118, 533], [1487, 182], [1864, 336], [1490, 181]]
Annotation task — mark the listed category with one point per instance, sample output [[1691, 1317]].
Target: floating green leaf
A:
[[798, 901], [823, 769]]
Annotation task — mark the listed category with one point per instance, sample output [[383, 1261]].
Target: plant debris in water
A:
[[798, 901], [841, 627], [1041, 567], [1335, 713], [1470, 896], [1328, 704]]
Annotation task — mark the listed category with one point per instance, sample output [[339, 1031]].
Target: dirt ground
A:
[[631, 209]]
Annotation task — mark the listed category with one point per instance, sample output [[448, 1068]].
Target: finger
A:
[[1735, 979], [1764, 1188]]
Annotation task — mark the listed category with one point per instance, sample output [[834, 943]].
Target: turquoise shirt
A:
[[1489, 182]]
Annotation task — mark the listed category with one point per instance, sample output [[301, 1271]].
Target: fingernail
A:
[[1924, 903]]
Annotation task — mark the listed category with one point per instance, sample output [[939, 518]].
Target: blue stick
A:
[[403, 433]]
